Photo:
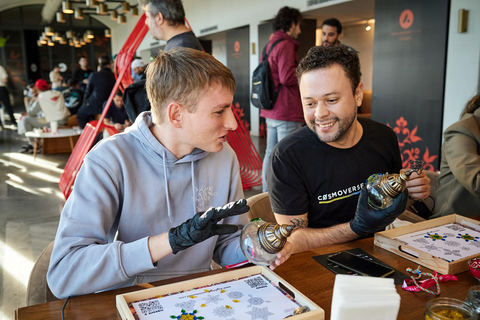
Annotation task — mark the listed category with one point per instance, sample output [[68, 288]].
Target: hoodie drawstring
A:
[[193, 189], [164, 155]]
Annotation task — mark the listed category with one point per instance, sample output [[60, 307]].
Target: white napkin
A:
[[364, 298]]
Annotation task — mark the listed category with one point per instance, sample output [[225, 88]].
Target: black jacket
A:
[[99, 88]]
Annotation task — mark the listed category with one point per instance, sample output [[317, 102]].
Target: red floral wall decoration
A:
[[407, 140], [241, 114]]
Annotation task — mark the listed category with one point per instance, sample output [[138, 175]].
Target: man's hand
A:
[[204, 225], [368, 220], [418, 185], [282, 256]]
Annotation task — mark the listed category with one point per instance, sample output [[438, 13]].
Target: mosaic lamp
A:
[[260, 241], [384, 188]]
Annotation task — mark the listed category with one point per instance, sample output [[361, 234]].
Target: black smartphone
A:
[[360, 265]]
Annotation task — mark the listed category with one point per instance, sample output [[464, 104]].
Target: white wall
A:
[[361, 40], [463, 61]]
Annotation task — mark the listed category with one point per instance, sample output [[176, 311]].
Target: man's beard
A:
[[344, 126], [327, 44]]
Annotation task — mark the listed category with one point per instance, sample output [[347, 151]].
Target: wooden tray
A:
[[386, 240], [123, 300]]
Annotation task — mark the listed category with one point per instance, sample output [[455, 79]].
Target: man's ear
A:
[[159, 19], [359, 94], [175, 114]]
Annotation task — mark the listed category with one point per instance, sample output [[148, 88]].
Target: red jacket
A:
[[283, 62]]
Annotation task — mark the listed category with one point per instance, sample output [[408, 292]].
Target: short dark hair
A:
[[172, 10], [82, 57], [119, 93], [103, 61], [472, 105], [332, 22], [322, 57], [285, 17]]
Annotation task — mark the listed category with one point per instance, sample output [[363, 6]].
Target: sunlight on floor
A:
[[21, 187], [16, 265], [44, 164], [45, 176]]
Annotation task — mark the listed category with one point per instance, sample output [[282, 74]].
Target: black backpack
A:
[[135, 99], [263, 87]]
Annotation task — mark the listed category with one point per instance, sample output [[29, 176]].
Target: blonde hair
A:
[[183, 75]]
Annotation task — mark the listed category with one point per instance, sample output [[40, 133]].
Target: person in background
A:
[[319, 171], [331, 32], [28, 94], [459, 190], [116, 115], [82, 73], [5, 96], [287, 114], [63, 86], [99, 88], [49, 106], [139, 210], [55, 77], [138, 68], [73, 96], [166, 21]]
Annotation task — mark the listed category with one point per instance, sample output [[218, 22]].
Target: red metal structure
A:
[[85, 142], [249, 159]]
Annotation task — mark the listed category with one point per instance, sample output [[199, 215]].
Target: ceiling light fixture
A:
[[122, 19], [126, 7], [107, 33], [79, 13], [114, 15], [102, 9], [90, 34], [49, 31], [67, 7], [92, 3], [134, 11], [60, 17]]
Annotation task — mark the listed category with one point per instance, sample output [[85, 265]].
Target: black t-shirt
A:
[[307, 175]]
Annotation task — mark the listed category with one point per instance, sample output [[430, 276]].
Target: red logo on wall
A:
[[236, 46], [406, 19]]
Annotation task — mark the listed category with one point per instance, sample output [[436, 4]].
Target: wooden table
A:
[[301, 271], [61, 133]]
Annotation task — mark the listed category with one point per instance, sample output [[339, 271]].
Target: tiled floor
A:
[[30, 205]]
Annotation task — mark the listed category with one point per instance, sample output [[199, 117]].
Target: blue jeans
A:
[[276, 131]]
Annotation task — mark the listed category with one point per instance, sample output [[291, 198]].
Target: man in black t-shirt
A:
[[320, 170], [82, 73]]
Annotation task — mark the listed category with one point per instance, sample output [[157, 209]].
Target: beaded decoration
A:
[[417, 274]]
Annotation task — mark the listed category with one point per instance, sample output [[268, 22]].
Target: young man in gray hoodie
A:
[[158, 188]]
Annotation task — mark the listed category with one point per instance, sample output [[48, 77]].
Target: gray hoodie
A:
[[130, 187]]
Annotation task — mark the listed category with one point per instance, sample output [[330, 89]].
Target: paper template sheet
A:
[[450, 242], [252, 297]]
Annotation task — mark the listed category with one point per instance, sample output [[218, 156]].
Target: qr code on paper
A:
[[149, 307], [256, 283]]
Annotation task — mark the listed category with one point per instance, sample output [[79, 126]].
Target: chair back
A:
[[260, 207], [37, 288]]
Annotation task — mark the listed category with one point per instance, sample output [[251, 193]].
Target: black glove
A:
[[204, 225], [368, 220]]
